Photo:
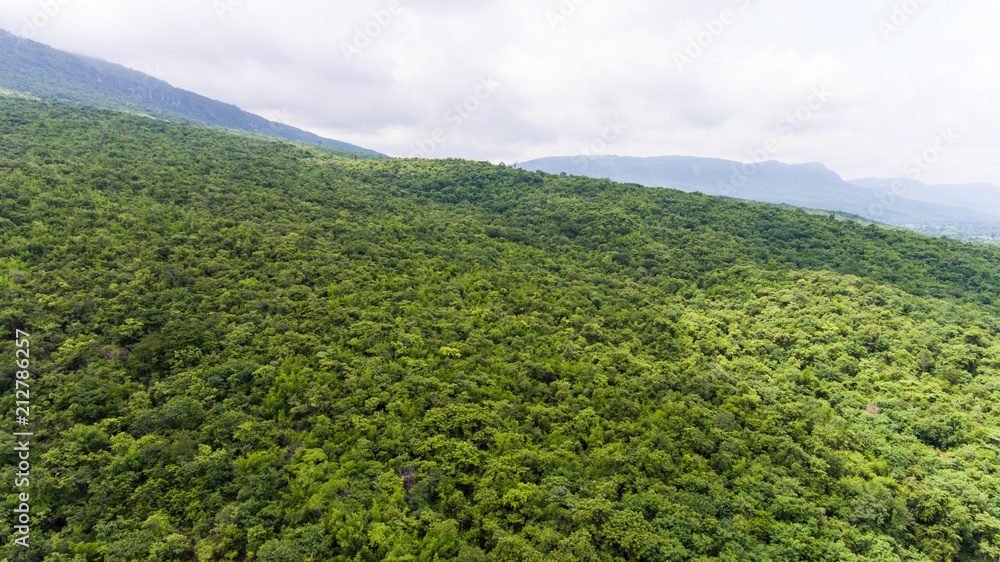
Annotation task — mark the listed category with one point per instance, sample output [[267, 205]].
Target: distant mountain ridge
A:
[[981, 197], [925, 209], [41, 71]]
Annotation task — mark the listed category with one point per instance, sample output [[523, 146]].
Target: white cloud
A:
[[567, 66]]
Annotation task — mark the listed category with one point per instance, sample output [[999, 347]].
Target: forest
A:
[[247, 350]]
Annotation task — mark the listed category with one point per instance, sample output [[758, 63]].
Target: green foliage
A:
[[31, 69], [249, 351]]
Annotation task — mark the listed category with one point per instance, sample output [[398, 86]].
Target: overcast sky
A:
[[864, 86]]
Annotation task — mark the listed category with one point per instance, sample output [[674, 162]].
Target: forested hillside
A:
[[31, 68], [245, 350], [965, 212]]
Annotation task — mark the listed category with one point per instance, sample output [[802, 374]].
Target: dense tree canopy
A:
[[251, 351]]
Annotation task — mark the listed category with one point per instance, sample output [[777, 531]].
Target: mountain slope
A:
[[248, 350], [805, 185], [33, 68], [980, 197]]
